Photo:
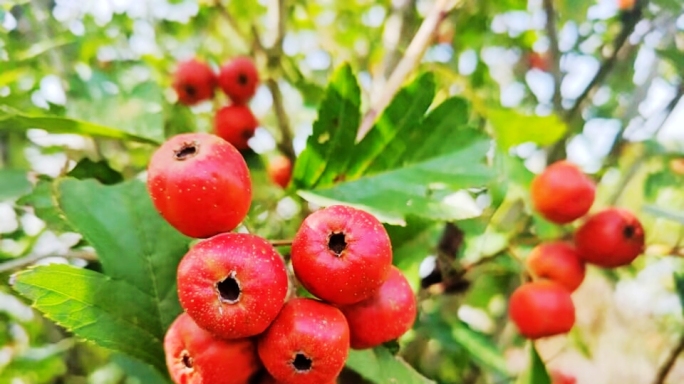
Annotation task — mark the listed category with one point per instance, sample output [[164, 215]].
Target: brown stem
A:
[[670, 362], [554, 53], [281, 243], [285, 142], [408, 63]]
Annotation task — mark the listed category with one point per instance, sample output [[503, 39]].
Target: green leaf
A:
[[483, 351], [95, 307], [411, 244], [407, 164], [679, 285], [132, 241], [512, 128], [13, 183], [128, 308], [329, 147], [537, 374], [12, 119], [44, 205], [424, 189], [380, 366], [98, 170]]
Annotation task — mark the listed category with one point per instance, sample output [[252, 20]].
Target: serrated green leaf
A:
[[329, 147], [13, 183], [421, 189], [380, 366], [512, 128], [132, 241], [12, 119], [111, 313], [537, 373], [41, 199]]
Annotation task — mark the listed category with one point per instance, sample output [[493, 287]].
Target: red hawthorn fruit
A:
[[540, 61], [557, 261], [280, 170], [562, 193], [307, 343], [239, 79], [383, 317], [235, 124], [611, 238], [233, 284], [341, 254], [558, 377], [626, 5], [193, 82], [200, 184], [195, 356], [541, 309]]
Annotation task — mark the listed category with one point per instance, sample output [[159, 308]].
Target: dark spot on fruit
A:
[[337, 243], [301, 363], [229, 289], [628, 231], [242, 79], [187, 151], [187, 360], [190, 90]]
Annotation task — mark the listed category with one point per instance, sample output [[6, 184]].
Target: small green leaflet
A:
[[512, 128], [380, 366], [537, 373]]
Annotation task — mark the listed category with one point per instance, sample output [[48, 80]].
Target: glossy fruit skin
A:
[[252, 262], [360, 268], [541, 309], [279, 170], [214, 361], [194, 81], [383, 317], [235, 124], [558, 377], [204, 193], [562, 193], [317, 331], [611, 238], [558, 261], [239, 79]]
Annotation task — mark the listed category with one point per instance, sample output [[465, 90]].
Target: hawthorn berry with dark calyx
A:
[[235, 124], [195, 356], [193, 82], [611, 238], [233, 284], [384, 316], [239, 79], [541, 309], [200, 184], [558, 261], [279, 170], [307, 343], [341, 254], [562, 193]]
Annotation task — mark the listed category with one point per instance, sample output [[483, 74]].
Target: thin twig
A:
[[554, 52], [285, 142], [33, 258], [408, 63], [281, 243], [608, 63], [670, 362]]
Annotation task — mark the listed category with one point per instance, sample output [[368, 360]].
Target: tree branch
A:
[[628, 23], [408, 63], [33, 258], [554, 52], [670, 362]]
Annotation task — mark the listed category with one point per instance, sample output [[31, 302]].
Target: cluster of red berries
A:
[[610, 238], [234, 286], [195, 81]]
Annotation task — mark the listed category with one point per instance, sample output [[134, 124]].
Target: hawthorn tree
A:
[[433, 115]]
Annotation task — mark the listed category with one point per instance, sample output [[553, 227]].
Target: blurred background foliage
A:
[[85, 91]]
